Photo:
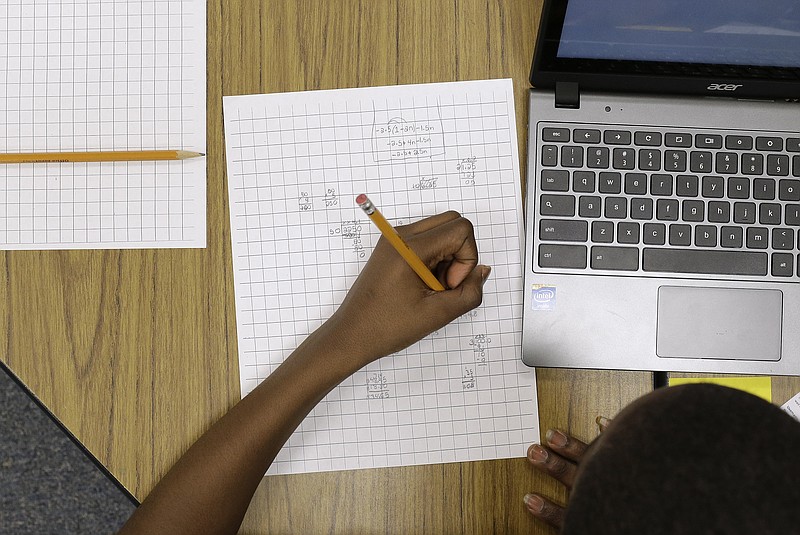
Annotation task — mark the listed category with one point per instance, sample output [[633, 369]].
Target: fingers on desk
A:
[[559, 457], [545, 510]]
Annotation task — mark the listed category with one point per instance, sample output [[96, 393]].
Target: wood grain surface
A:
[[135, 351]]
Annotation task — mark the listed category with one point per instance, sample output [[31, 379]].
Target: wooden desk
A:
[[135, 351]]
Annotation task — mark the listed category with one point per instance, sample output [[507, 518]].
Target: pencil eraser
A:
[[361, 199]]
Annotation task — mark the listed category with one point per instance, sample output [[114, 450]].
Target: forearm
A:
[[211, 486]]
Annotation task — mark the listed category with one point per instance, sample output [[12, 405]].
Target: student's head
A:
[[691, 459]]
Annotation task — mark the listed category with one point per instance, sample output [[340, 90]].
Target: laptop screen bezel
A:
[[740, 81]]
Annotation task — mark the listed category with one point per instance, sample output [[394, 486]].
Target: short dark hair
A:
[[697, 459]]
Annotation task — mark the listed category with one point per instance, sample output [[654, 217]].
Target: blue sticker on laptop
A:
[[543, 297]]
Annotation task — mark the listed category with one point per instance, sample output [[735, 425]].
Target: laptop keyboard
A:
[[666, 201]]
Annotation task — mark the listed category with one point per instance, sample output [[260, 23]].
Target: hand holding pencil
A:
[[395, 304]]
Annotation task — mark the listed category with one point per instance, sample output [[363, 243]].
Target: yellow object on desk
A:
[[399, 244], [758, 386], [107, 156]]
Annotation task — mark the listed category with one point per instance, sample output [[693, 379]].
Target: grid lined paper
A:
[[102, 75], [296, 162]]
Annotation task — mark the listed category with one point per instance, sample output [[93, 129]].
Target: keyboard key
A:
[[610, 183], [687, 186], [563, 230], [615, 258], [628, 232], [757, 238], [581, 135], [624, 159], [705, 236], [675, 160], [708, 141], [667, 209], [553, 180], [616, 137], [583, 181], [731, 237], [744, 213], [719, 212], [710, 262], [654, 234], [650, 159], [660, 184], [635, 183], [555, 134], [777, 165], [693, 211], [678, 140], [764, 189], [641, 208], [700, 162], [793, 144], [647, 139], [562, 256], [783, 238], [795, 165], [738, 142], [752, 164], [557, 205], [792, 215], [571, 156], [549, 155], [616, 207], [597, 157], [782, 264], [589, 206], [680, 235], [727, 163], [769, 214], [738, 188], [789, 190], [769, 143], [714, 187], [602, 231]]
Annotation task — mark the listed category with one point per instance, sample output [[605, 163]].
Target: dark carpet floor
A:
[[47, 483]]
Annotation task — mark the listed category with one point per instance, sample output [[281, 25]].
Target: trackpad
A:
[[719, 323]]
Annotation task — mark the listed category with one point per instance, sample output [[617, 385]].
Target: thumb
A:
[[466, 296]]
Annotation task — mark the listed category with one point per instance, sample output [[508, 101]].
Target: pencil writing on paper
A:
[[399, 243]]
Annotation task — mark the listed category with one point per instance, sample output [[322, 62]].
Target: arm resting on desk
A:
[[388, 308]]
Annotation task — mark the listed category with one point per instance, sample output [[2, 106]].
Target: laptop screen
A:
[[731, 32], [638, 44]]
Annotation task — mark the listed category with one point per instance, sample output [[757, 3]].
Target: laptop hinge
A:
[[568, 95]]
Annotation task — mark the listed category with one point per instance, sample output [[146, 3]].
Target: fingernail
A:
[[485, 273], [534, 503], [556, 438], [602, 422], [537, 454]]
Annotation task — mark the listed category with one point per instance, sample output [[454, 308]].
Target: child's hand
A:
[[389, 307]]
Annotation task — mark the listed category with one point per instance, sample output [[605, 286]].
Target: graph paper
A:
[[296, 162], [102, 75]]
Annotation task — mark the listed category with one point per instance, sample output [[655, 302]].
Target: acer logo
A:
[[724, 87]]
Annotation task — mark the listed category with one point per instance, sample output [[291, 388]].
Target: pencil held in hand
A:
[[399, 244]]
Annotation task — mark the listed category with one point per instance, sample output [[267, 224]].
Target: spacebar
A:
[[701, 261]]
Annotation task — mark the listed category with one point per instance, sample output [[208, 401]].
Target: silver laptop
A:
[[663, 187]]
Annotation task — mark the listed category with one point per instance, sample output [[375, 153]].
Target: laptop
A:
[[663, 187]]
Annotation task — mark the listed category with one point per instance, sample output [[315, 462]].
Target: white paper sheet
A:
[[94, 75], [792, 407], [296, 162]]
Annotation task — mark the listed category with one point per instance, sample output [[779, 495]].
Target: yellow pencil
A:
[[110, 156], [398, 243]]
